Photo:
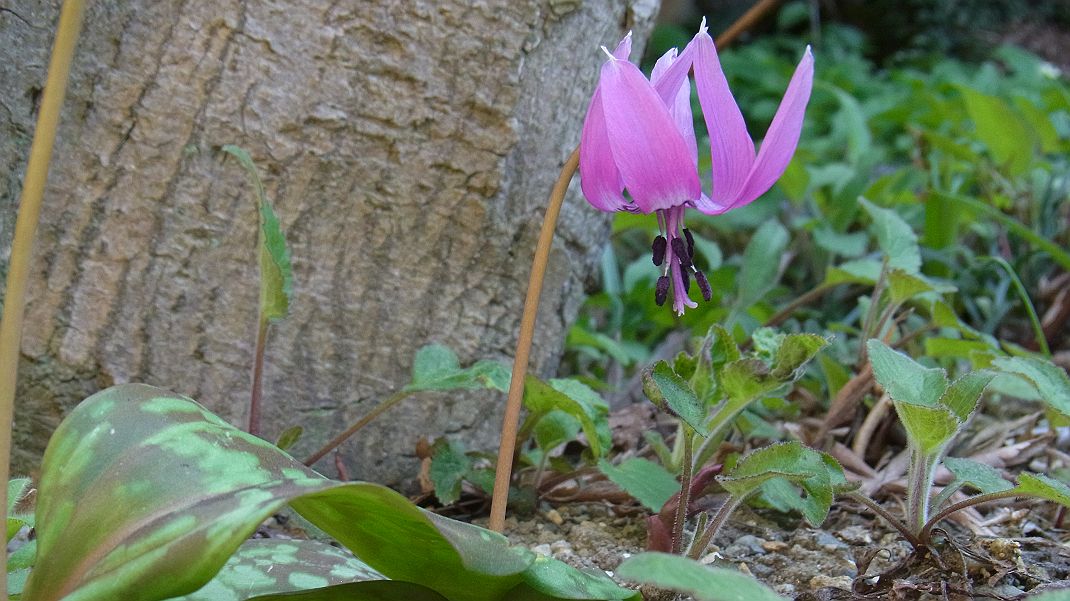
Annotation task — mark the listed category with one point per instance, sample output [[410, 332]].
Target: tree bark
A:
[[408, 147]]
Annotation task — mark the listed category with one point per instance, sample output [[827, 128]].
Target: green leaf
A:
[[928, 427], [435, 367], [851, 245], [577, 400], [687, 576], [814, 471], [549, 580], [904, 379], [859, 271], [723, 348], [795, 351], [1041, 486], [375, 590], [895, 237], [267, 566], [144, 495], [17, 489], [903, 286], [289, 437], [1001, 130], [672, 394], [761, 262], [1049, 379], [646, 481], [449, 465], [276, 272], [964, 393], [984, 478], [554, 429]]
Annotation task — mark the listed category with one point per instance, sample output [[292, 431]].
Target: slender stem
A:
[[698, 546], [33, 188], [1034, 319], [926, 529], [874, 304], [919, 485], [364, 421], [685, 493], [946, 493], [745, 22], [891, 519], [800, 301], [258, 377], [507, 447]]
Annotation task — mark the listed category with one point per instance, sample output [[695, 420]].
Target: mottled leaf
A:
[[549, 580], [376, 590], [646, 481], [683, 575]]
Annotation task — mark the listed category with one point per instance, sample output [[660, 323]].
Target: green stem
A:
[[1057, 253], [919, 485], [891, 519], [1034, 319], [946, 493], [258, 377], [698, 546], [926, 530], [33, 188], [874, 305], [394, 399], [685, 493]]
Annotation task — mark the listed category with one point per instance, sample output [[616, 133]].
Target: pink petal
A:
[[709, 207], [679, 103], [599, 177], [731, 148], [654, 160], [783, 136], [624, 48]]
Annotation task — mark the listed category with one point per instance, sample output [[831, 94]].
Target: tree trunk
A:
[[408, 147]]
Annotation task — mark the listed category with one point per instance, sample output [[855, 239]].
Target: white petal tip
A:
[[702, 26], [608, 53]]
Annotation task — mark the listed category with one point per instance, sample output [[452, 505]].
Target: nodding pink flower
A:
[[639, 136]]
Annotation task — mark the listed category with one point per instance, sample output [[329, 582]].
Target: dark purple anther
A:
[[661, 291], [680, 251], [659, 250], [690, 243], [703, 285], [687, 280]]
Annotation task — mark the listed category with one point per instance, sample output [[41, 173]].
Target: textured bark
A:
[[408, 147]]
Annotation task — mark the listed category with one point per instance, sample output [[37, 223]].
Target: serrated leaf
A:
[[723, 348], [671, 393], [684, 575], [577, 400], [646, 481], [904, 379], [449, 465], [276, 272], [1049, 379], [269, 566], [984, 478], [962, 396], [895, 237], [17, 489], [928, 427], [795, 351], [1041, 486], [289, 437], [761, 262], [145, 494], [814, 471], [903, 286]]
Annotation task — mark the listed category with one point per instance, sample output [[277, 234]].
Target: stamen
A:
[[659, 250], [687, 280], [661, 291], [703, 285], [690, 243], [680, 251]]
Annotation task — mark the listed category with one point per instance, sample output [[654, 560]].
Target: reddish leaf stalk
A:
[[258, 378]]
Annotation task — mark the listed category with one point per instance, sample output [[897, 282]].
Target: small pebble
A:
[[774, 546], [786, 589], [560, 547], [822, 581], [827, 542], [856, 535], [555, 517], [710, 558]]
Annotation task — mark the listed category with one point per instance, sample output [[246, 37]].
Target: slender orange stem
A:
[[511, 421], [33, 189], [258, 377]]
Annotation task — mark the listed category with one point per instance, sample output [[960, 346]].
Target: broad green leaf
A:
[[958, 348], [289, 437], [268, 566], [814, 471], [548, 580], [904, 379], [683, 575], [276, 272], [17, 489], [554, 429], [375, 590], [851, 245], [745, 380], [795, 351], [761, 263], [1056, 595], [928, 427], [435, 367], [963, 394], [984, 478], [646, 481], [859, 271], [903, 286], [674, 395], [895, 237], [449, 465], [577, 400], [1039, 485], [1049, 379], [1001, 130], [144, 495], [723, 348]]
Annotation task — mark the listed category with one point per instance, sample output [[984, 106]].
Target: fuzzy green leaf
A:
[[577, 400], [794, 352], [1050, 380], [276, 272], [962, 396], [1044, 487], [930, 428], [903, 286], [674, 395], [817, 473], [895, 237], [683, 575], [984, 478], [646, 481], [435, 367], [289, 437], [554, 429], [449, 465], [904, 379], [17, 489]]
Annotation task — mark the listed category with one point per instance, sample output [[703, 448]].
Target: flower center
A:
[[674, 252]]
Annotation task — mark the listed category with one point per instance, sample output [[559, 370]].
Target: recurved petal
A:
[[653, 158], [679, 103], [600, 179], [783, 135], [731, 148], [624, 48]]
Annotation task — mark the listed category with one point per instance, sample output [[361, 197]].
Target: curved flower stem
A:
[[891, 519], [258, 377], [33, 188], [503, 473], [926, 531], [703, 539], [364, 421], [685, 493]]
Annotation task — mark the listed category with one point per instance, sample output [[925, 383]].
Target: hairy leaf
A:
[[904, 379], [435, 367], [17, 489], [984, 478], [895, 237], [817, 473], [674, 395], [577, 400], [646, 481], [449, 465], [1044, 487], [683, 575], [1050, 380]]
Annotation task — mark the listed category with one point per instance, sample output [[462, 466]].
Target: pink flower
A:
[[638, 136]]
